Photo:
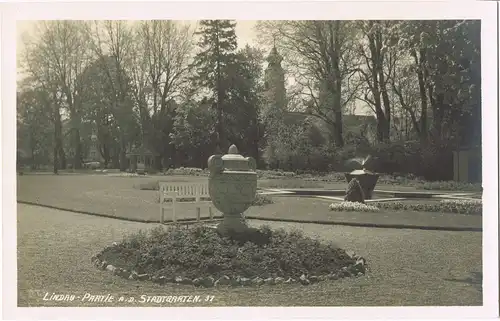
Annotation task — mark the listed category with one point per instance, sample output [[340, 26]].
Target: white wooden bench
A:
[[172, 193]]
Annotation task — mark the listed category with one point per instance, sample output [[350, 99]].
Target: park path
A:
[[407, 267]]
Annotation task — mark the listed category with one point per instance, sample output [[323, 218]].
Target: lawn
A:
[[120, 197], [407, 267]]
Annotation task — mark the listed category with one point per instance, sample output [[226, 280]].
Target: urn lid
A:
[[233, 161]]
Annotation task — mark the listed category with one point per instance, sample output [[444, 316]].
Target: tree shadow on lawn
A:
[[475, 279]]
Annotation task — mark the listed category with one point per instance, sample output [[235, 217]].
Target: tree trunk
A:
[[423, 95], [338, 132], [77, 159], [33, 159], [56, 161], [437, 113], [123, 156], [57, 137], [387, 107], [381, 127], [62, 154], [379, 87]]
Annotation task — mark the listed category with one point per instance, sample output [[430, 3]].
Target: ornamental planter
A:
[[232, 186], [366, 179]]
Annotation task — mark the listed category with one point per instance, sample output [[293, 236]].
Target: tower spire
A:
[[274, 57]]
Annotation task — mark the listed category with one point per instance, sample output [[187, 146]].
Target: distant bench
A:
[[172, 193]]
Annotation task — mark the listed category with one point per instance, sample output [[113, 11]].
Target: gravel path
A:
[[407, 267]]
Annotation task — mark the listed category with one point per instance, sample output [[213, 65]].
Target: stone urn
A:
[[232, 186], [366, 179]]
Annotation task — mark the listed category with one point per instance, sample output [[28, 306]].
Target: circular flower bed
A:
[[199, 256]]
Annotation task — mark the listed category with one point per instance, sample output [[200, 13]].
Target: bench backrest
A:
[[184, 189]]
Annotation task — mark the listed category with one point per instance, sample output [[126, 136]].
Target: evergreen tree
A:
[[242, 123], [218, 44]]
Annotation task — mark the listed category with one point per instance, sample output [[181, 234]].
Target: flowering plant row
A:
[[353, 207], [473, 207]]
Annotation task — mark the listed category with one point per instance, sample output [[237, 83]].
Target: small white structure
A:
[[172, 192], [467, 165]]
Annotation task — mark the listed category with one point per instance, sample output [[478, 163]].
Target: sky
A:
[[244, 31]]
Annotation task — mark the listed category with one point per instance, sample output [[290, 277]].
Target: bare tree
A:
[[379, 57], [112, 44], [54, 57], [160, 70]]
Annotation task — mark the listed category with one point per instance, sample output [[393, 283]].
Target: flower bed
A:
[[352, 207], [473, 207], [200, 256]]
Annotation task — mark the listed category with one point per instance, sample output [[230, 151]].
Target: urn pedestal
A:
[[366, 179], [232, 186]]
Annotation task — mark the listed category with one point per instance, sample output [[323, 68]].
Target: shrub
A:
[[290, 183], [445, 206], [198, 251], [354, 192], [270, 174], [352, 207], [261, 200], [189, 171]]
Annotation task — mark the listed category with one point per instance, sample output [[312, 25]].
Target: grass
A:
[[117, 197], [407, 267]]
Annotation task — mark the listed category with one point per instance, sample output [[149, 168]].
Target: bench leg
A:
[[198, 210], [174, 217], [161, 215]]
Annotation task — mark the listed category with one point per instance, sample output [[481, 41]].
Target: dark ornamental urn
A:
[[232, 186], [366, 179]]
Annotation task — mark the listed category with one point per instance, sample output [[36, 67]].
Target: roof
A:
[[274, 58]]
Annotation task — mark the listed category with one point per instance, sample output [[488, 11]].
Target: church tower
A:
[[274, 109], [274, 83]]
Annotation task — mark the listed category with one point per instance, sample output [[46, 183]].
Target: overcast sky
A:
[[244, 31]]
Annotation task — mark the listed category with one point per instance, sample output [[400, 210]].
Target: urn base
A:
[[234, 223]]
